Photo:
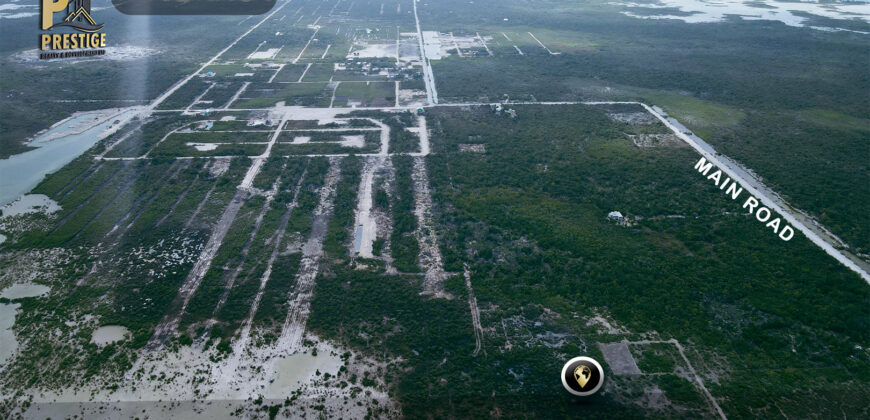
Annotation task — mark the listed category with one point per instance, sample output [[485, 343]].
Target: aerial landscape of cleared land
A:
[[361, 208]]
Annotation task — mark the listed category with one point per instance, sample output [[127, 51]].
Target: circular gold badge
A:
[[582, 376]]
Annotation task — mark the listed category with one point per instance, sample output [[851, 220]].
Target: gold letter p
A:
[[49, 8]]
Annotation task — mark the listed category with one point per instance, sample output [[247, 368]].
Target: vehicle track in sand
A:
[[430, 258], [475, 313], [169, 324], [290, 340], [228, 372]]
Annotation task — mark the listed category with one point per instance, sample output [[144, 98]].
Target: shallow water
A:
[[789, 13], [298, 369], [357, 238], [24, 290], [20, 173], [108, 334], [8, 343], [29, 203], [69, 124]]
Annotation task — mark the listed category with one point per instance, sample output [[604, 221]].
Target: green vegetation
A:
[[792, 108], [184, 96], [144, 137], [230, 255], [541, 238], [836, 193], [366, 94], [774, 328], [344, 209], [273, 308], [402, 140], [326, 142], [302, 94], [403, 244], [290, 73]]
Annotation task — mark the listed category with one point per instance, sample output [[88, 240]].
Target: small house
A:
[[616, 216]]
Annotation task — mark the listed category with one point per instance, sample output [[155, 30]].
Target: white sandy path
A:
[[169, 324], [181, 83], [258, 222], [229, 370], [698, 381], [541, 43], [304, 72], [296, 60], [300, 302], [475, 314], [456, 45], [423, 133], [428, 77], [248, 181], [199, 97], [237, 95], [334, 89], [365, 231], [430, 254], [482, 41], [278, 70]]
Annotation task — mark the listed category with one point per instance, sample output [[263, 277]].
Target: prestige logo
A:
[[76, 14]]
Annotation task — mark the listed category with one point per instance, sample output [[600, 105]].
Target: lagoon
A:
[[20, 173]]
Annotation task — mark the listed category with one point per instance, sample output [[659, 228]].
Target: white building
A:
[[615, 215]]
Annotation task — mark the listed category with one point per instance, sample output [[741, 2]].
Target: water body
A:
[[299, 369], [357, 241], [30, 203], [8, 342], [108, 334], [24, 290], [58, 130], [789, 13], [20, 173]]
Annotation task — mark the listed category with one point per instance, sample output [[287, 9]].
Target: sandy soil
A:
[[203, 147], [430, 254], [366, 50], [357, 141], [365, 231], [168, 326], [300, 301], [619, 358]]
